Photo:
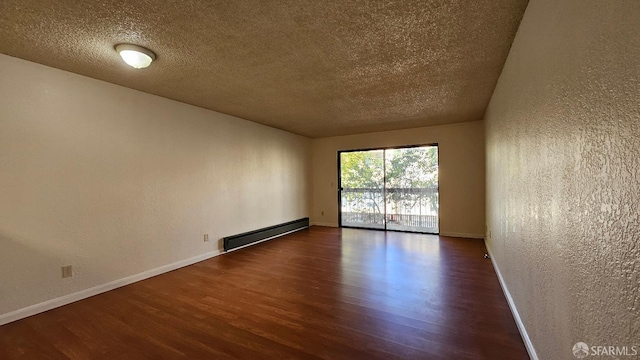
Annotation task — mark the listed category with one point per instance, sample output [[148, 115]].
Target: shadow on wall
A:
[[26, 269]]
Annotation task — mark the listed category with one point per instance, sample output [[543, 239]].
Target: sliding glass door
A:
[[393, 189]]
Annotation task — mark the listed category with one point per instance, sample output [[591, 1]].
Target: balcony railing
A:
[[412, 209], [415, 221]]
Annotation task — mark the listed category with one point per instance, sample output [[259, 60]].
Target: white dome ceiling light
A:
[[135, 56]]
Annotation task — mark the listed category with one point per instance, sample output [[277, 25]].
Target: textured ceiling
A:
[[316, 68]]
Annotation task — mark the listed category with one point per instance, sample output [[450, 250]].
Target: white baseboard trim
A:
[[462, 235], [83, 294], [514, 311], [315, 223]]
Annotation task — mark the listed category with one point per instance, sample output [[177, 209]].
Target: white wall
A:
[[461, 155], [563, 174], [116, 182]]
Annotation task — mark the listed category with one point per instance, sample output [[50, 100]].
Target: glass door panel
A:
[[411, 189], [362, 189]]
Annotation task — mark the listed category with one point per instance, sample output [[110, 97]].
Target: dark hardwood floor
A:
[[318, 293]]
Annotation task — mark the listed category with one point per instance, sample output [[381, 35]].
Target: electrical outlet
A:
[[206, 237], [67, 271]]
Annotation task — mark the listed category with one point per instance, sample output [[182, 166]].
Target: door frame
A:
[[339, 182]]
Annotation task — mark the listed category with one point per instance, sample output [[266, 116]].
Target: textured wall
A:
[[563, 174], [461, 172], [116, 182]]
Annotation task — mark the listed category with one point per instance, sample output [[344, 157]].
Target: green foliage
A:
[[406, 168], [362, 169], [412, 167]]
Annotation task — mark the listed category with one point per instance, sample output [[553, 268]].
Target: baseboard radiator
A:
[[248, 238]]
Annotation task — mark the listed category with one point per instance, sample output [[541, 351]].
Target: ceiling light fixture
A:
[[135, 56]]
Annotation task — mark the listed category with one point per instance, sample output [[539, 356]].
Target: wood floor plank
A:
[[320, 293]]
